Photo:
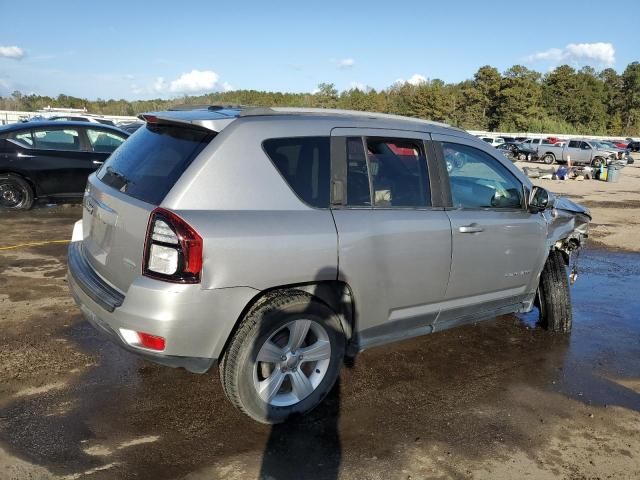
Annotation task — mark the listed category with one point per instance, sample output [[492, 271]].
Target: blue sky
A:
[[131, 50]]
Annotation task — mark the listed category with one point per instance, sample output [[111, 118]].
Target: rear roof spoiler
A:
[[195, 118]]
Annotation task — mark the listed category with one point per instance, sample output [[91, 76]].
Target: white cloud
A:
[[11, 52], [196, 81], [193, 82], [358, 85], [600, 53], [415, 80], [346, 63]]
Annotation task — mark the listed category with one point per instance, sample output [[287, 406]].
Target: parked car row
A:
[[578, 151]]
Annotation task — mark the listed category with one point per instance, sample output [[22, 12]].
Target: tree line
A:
[[564, 100]]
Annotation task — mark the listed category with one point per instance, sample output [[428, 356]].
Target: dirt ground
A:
[[502, 399]]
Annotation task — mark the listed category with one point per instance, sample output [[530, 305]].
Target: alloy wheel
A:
[[292, 362], [11, 195]]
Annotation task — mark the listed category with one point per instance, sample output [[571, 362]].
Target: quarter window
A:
[[102, 141], [60, 139], [574, 144], [304, 164], [23, 138], [478, 180]]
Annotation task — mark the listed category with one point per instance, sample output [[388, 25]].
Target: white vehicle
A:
[[494, 142], [83, 118]]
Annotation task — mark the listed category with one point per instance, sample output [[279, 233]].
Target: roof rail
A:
[[265, 111]]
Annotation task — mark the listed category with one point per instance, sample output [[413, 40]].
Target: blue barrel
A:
[[613, 173]]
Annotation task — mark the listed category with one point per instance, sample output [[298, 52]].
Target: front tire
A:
[[15, 192], [554, 298], [284, 358]]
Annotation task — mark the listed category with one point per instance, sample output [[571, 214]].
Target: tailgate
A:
[[114, 227]]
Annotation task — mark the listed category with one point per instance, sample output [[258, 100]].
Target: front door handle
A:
[[473, 228], [97, 162]]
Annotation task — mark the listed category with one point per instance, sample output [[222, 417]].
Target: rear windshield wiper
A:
[[121, 182]]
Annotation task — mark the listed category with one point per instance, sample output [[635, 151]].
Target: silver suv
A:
[[273, 243]]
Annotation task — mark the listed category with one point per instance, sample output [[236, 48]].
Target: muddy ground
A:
[[498, 400]]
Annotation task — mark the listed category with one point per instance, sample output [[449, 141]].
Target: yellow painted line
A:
[[33, 244]]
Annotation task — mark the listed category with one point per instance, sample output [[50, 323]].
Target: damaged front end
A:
[[567, 230]]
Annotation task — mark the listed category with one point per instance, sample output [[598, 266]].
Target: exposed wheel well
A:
[[333, 293]]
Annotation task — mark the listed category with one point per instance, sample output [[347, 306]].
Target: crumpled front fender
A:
[[567, 226]]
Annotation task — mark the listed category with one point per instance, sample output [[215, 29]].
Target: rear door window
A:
[[152, 160], [304, 163], [67, 139], [398, 169]]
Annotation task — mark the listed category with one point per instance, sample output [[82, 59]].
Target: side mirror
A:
[[540, 200]]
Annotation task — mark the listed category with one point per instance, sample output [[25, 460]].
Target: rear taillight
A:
[[173, 249]]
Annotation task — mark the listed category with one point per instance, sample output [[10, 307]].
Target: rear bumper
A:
[[195, 323]]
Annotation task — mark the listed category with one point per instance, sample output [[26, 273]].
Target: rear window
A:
[[152, 160], [55, 139], [304, 163]]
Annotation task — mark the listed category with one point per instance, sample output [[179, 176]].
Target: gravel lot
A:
[[497, 400]]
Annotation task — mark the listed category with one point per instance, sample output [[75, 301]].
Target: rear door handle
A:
[[97, 162], [473, 228]]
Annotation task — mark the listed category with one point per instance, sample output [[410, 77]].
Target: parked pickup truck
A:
[[581, 152], [528, 150]]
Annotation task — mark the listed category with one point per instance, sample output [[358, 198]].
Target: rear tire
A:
[[554, 298], [263, 371], [15, 192], [548, 159]]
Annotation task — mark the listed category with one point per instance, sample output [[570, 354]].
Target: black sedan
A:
[[51, 159]]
